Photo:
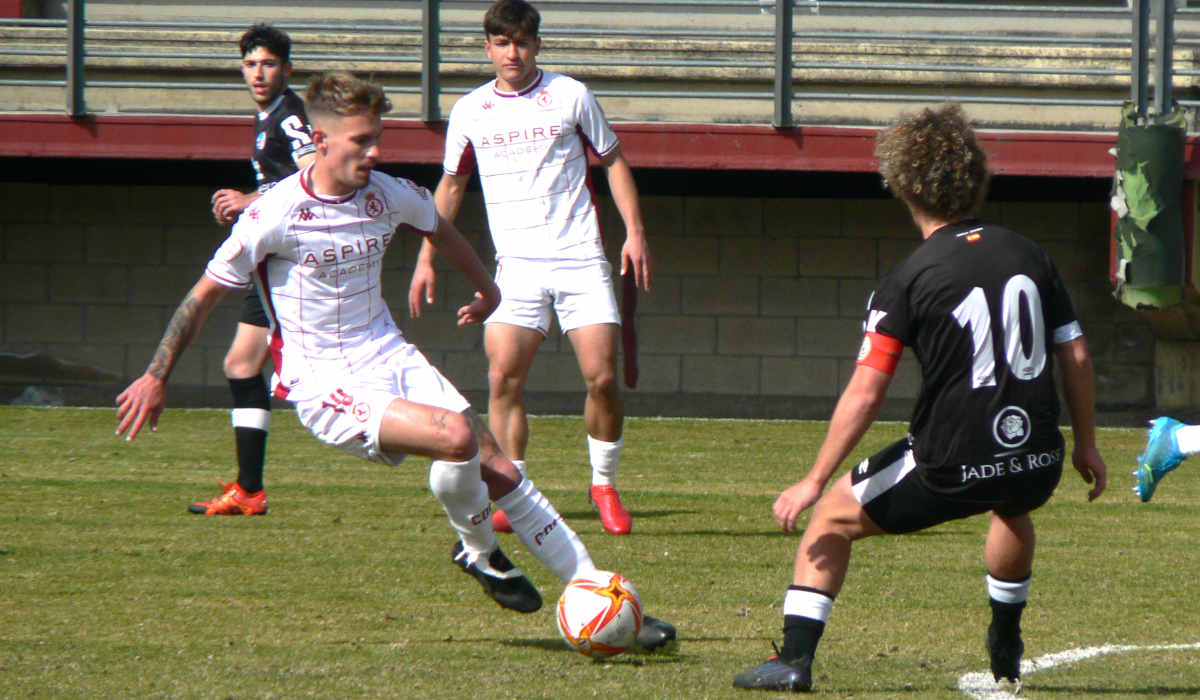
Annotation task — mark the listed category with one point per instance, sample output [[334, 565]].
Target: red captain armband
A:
[[881, 352]]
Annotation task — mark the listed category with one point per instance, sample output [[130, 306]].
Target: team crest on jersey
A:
[[260, 141], [1011, 427], [544, 99], [362, 412], [373, 205]]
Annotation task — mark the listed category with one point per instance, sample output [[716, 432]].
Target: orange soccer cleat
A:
[[613, 515], [234, 500]]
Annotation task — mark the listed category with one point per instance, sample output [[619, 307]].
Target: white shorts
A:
[[579, 291], [346, 410]]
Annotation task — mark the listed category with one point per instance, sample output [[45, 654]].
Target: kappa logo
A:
[[305, 215], [373, 205], [488, 104], [874, 316], [252, 213]]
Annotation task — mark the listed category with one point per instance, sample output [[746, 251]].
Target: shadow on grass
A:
[[591, 514], [633, 657]]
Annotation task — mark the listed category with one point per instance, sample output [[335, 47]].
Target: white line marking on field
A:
[[982, 687]]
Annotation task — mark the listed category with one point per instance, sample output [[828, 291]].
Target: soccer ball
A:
[[600, 614]]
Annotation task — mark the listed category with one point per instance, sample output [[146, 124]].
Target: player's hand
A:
[[228, 204], [1091, 467], [421, 289], [478, 310], [142, 402], [794, 500], [635, 258]]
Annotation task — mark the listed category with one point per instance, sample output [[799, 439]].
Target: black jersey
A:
[[982, 308], [282, 136]]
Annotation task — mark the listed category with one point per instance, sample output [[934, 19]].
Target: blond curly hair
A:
[[342, 94], [933, 162]]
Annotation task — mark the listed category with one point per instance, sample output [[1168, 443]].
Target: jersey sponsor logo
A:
[[373, 205], [533, 133], [305, 215], [1013, 464], [1011, 427], [372, 245]]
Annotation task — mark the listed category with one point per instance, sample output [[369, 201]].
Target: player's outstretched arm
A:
[[1080, 390], [635, 253], [451, 244], [142, 401], [855, 411]]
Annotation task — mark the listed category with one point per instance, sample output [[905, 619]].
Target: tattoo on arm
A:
[[181, 330]]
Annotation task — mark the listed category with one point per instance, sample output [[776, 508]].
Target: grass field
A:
[[109, 588]]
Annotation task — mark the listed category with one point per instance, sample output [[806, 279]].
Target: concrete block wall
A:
[[755, 309]]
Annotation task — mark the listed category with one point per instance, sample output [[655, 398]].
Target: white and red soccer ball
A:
[[600, 614]]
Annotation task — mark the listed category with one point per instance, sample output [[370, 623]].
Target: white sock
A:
[[257, 418], [1008, 591], [460, 489], [544, 533], [604, 457], [520, 465], [1188, 439], [805, 603]]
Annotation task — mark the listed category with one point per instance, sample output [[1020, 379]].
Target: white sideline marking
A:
[[982, 687]]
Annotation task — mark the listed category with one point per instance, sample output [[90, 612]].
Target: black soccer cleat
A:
[[1005, 652], [655, 633], [501, 580], [776, 674]]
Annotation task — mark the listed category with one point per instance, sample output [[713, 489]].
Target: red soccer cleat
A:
[[234, 500], [613, 515], [500, 521]]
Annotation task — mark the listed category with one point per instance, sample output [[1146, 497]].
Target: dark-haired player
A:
[[529, 132], [985, 313], [282, 145]]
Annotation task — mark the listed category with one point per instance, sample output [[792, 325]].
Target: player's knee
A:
[[457, 441], [239, 366], [603, 383], [503, 383]]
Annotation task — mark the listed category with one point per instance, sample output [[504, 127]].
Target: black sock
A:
[[251, 443], [800, 637], [1006, 617]]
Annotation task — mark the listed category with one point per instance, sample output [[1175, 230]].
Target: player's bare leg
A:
[[604, 415], [510, 351], [1009, 557], [251, 419], [821, 562], [455, 477]]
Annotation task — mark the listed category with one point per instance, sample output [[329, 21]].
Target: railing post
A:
[[430, 61], [1164, 45], [784, 33], [76, 105]]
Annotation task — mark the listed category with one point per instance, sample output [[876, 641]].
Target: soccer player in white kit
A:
[[315, 243], [529, 131]]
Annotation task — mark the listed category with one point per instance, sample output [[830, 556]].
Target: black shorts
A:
[[253, 312], [894, 492]]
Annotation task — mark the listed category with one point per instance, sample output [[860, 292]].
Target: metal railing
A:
[[768, 47]]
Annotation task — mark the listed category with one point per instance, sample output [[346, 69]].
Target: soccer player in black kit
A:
[[985, 313], [282, 145]]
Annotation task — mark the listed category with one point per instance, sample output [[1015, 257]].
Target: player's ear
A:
[[319, 139], [287, 69]]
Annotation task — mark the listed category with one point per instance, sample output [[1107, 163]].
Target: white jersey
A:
[[318, 261], [531, 150]]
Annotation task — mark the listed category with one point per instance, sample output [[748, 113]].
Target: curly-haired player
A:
[[986, 314]]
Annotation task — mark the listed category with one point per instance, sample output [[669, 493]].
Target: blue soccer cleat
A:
[[1161, 456]]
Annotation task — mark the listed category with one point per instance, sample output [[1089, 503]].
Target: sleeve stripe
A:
[[1067, 333]]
